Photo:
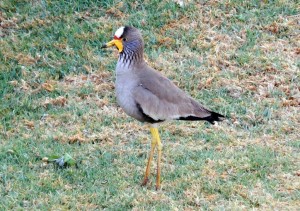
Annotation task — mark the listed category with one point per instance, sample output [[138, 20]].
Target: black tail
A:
[[214, 117]]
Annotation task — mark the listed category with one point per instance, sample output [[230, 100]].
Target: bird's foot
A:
[[145, 181]]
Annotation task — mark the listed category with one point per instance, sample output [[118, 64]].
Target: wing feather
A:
[[160, 99]]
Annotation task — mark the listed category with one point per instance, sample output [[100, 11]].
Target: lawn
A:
[[239, 58]]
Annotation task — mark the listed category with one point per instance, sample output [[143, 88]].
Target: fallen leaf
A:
[[45, 159], [274, 28], [114, 12], [24, 85], [291, 102], [208, 82], [166, 41], [25, 59], [59, 101], [29, 124], [87, 68], [211, 197], [47, 87], [14, 83], [252, 88], [76, 138]]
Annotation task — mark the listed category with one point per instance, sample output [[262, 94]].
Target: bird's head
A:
[[125, 36]]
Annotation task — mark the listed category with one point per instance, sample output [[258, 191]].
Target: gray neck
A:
[[132, 53]]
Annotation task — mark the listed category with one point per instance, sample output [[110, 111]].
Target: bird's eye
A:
[[124, 39]]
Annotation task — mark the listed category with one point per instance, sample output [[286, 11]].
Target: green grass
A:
[[57, 97]]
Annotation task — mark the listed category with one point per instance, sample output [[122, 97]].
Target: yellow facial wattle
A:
[[115, 42]]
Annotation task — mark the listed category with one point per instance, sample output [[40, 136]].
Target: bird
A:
[[148, 96]]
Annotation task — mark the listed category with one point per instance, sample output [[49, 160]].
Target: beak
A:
[[115, 42]]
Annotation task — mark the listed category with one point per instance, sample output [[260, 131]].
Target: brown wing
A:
[[160, 99]]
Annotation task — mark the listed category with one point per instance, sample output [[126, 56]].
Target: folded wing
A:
[[159, 99]]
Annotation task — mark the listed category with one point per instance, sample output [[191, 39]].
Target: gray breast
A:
[[125, 84]]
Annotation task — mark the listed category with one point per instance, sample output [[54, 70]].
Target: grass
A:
[[57, 97]]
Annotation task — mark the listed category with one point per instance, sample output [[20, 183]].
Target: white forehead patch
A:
[[119, 32]]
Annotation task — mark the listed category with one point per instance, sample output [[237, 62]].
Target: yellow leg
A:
[[159, 149], [153, 145], [155, 142]]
